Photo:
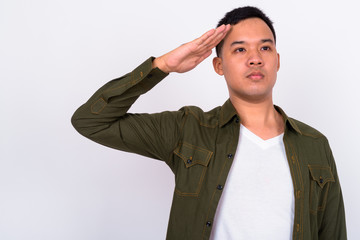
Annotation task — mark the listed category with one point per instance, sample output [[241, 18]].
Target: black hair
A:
[[238, 14]]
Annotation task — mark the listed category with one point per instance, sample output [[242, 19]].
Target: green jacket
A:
[[199, 147]]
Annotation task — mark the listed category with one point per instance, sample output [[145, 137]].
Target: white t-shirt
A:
[[258, 198]]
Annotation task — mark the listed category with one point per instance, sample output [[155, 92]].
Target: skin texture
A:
[[249, 48]]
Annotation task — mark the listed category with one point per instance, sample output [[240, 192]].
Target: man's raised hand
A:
[[189, 55]]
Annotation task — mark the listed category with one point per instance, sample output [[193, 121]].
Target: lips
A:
[[256, 75]]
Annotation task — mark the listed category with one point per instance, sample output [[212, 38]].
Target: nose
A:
[[255, 60]]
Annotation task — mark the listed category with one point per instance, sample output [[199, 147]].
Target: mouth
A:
[[256, 76]]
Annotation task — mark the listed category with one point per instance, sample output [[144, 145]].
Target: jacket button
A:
[[208, 224], [321, 180], [229, 155], [220, 187], [189, 161]]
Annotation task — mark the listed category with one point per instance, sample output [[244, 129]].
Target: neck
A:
[[259, 117]]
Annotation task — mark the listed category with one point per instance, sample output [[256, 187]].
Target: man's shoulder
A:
[[206, 118], [306, 129]]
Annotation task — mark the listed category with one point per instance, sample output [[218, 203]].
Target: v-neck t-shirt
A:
[[258, 198]]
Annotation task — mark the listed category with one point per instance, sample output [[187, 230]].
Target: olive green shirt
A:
[[199, 147]]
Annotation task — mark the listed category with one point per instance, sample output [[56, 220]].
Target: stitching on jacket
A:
[[196, 148], [324, 192], [289, 156], [180, 134], [327, 179], [312, 135], [312, 183], [214, 192], [313, 166], [299, 176], [200, 122], [196, 194], [92, 106], [303, 132], [212, 197], [184, 158], [131, 83]]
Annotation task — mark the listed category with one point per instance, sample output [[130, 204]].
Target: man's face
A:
[[249, 61]]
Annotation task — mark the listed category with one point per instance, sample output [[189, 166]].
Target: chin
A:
[[255, 96]]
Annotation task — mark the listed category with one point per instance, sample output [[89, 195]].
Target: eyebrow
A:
[[262, 41]]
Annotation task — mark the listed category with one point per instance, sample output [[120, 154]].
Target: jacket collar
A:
[[228, 112]]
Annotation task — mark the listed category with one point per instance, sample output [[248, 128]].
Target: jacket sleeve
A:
[[333, 224], [104, 118]]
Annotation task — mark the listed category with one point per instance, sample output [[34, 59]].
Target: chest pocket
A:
[[319, 186], [192, 168]]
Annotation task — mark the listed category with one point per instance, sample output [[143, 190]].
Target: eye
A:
[[265, 48], [240, 50]]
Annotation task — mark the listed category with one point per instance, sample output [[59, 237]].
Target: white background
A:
[[55, 184]]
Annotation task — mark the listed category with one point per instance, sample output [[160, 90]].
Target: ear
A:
[[278, 67], [217, 64]]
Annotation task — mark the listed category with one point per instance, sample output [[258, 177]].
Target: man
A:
[[244, 170]]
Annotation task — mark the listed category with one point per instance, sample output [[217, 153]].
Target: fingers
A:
[[217, 37], [205, 55], [205, 36], [189, 55], [211, 38]]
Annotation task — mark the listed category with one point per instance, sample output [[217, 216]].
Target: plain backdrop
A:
[[55, 184]]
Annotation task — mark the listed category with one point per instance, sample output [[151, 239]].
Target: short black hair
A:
[[238, 14]]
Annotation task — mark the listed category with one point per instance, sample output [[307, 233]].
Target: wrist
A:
[[159, 63]]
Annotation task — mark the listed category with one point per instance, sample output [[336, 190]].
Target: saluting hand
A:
[[189, 55]]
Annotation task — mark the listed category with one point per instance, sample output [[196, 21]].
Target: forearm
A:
[[113, 100], [104, 118]]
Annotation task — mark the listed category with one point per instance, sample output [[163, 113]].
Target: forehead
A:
[[248, 30]]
